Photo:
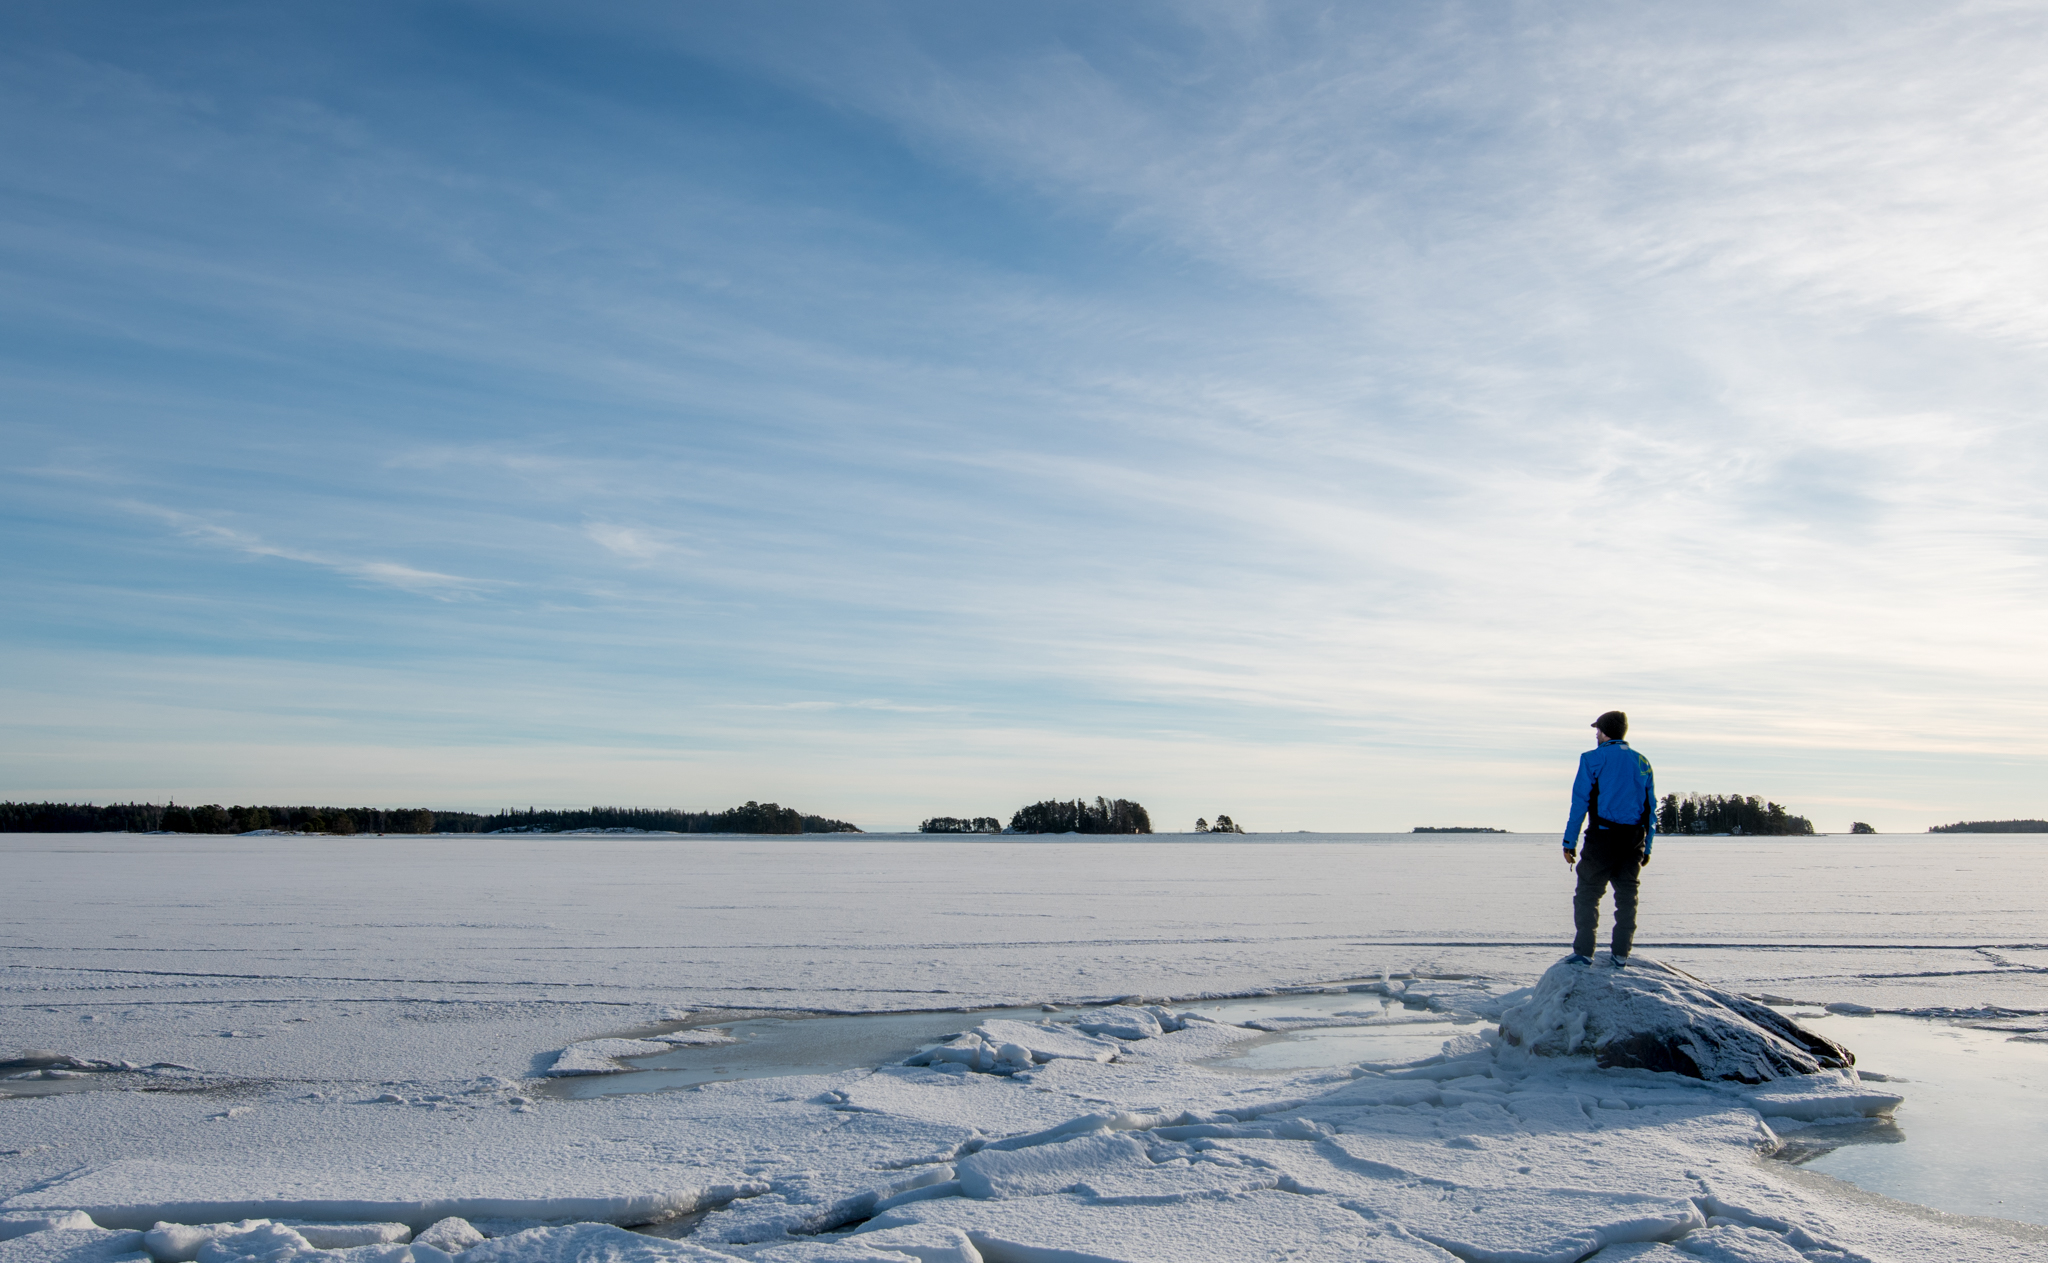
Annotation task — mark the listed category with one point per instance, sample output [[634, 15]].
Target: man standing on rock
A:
[[1615, 795]]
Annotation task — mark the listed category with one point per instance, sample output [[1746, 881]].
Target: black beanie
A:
[[1613, 725]]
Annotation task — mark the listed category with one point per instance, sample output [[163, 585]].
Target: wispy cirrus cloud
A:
[[389, 573], [859, 704], [634, 543]]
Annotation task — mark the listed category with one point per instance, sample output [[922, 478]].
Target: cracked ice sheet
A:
[[1260, 1225], [1521, 1160], [137, 1154], [973, 1103]]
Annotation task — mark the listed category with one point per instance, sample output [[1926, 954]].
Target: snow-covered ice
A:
[[286, 1029], [600, 1056], [75, 1245], [999, 1046]]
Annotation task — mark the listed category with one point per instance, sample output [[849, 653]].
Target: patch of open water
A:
[[1969, 1138], [774, 1045]]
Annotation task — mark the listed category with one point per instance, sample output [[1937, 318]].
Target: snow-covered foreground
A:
[[366, 1022]]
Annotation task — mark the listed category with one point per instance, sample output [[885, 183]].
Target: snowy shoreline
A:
[[368, 1029]]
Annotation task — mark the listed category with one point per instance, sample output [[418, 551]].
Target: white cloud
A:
[[390, 573], [631, 542]]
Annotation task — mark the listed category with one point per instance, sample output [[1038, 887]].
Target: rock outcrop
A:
[[1652, 1016]]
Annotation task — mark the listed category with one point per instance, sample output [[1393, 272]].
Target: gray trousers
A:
[[1605, 861]]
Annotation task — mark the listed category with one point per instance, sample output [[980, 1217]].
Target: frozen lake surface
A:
[[364, 1021]]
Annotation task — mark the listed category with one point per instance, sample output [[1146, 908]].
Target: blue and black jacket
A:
[[1614, 784]]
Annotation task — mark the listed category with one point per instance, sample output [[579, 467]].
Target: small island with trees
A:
[[1082, 816], [1224, 824], [1052, 816], [1730, 814]]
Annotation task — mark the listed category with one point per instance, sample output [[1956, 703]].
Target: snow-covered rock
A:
[[1652, 1016]]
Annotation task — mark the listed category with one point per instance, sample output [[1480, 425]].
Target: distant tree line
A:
[[79, 818], [1455, 828], [1730, 813], [752, 818], [954, 824], [1224, 824], [1082, 816], [1992, 826], [214, 818]]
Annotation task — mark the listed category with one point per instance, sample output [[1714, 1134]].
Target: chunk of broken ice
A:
[[600, 1056]]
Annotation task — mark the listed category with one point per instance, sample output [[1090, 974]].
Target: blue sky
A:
[[1312, 414]]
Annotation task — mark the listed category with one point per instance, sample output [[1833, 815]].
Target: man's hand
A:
[[1646, 857], [1571, 856]]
